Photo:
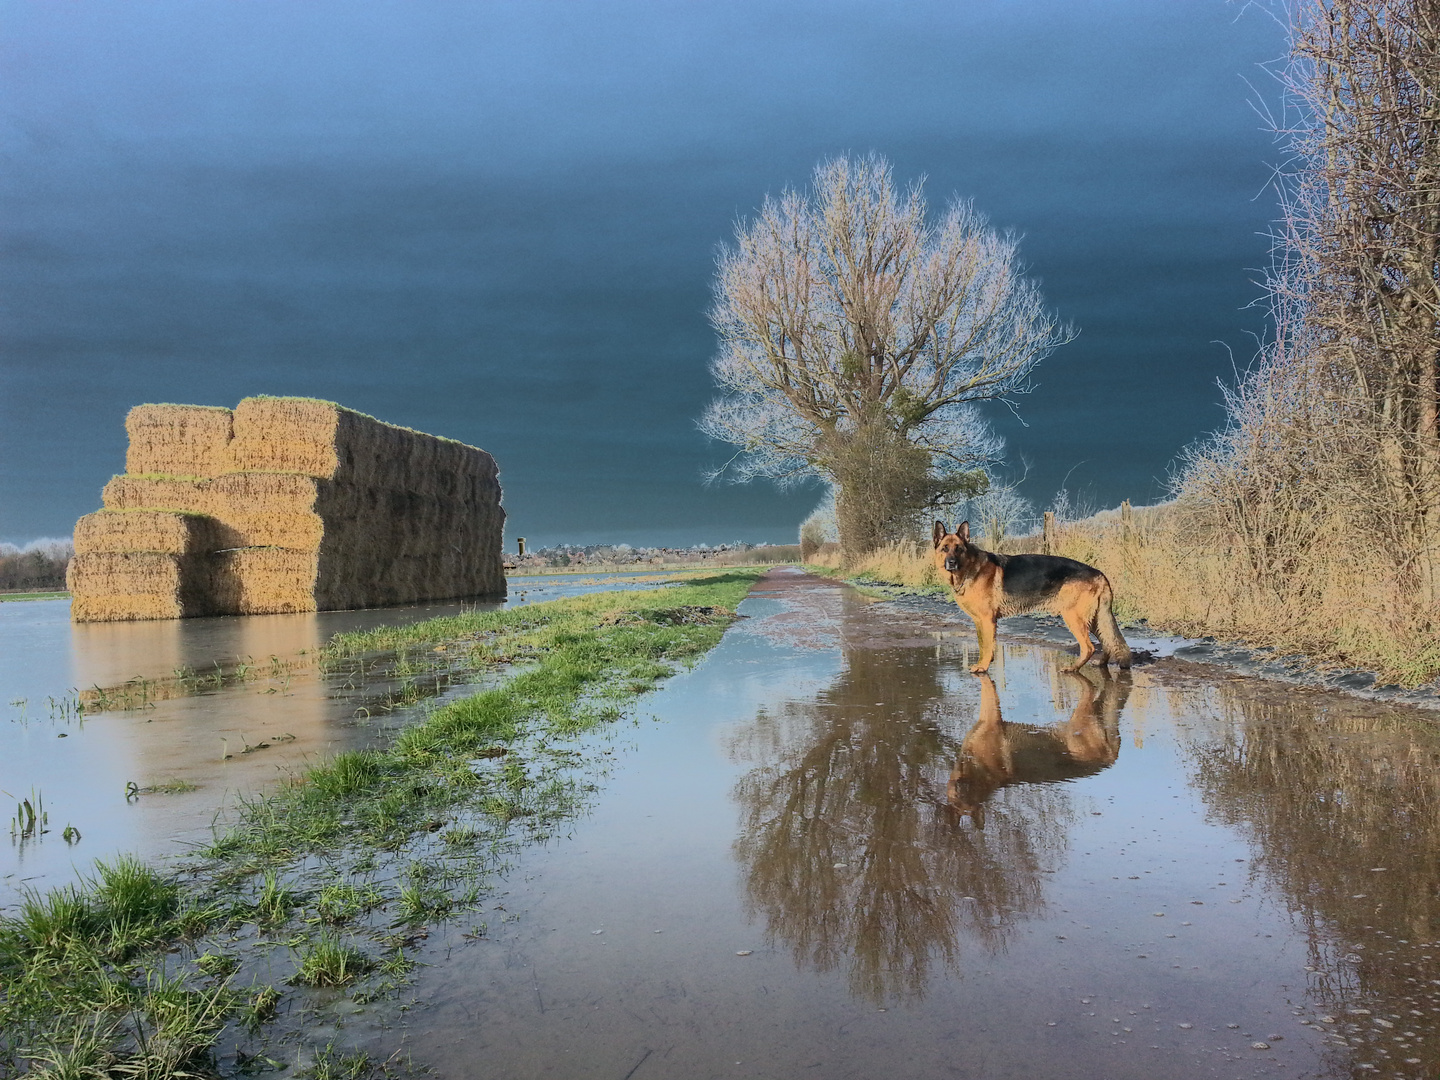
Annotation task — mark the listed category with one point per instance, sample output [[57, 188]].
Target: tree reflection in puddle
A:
[[860, 854], [1341, 803]]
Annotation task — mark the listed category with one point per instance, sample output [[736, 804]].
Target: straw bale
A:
[[320, 438], [109, 586], [165, 531], [251, 509], [156, 493], [393, 547], [309, 506], [181, 440], [256, 509], [262, 581]]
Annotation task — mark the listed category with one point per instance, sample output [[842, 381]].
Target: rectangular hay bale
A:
[[167, 531], [109, 586], [320, 438], [309, 506], [256, 509], [178, 440], [262, 581], [156, 493]]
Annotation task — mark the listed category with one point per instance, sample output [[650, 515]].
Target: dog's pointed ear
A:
[[939, 533], [964, 531]]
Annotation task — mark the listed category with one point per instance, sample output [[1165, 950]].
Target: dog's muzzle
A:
[[952, 565]]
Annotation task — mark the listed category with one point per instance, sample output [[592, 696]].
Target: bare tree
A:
[[1325, 486], [856, 336], [1359, 284], [1000, 512]]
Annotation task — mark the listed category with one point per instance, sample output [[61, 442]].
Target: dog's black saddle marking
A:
[[1037, 576]]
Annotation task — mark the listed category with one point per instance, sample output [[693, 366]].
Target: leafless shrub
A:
[[1323, 492]]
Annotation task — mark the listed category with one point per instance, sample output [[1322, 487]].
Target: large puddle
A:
[[251, 708], [841, 855]]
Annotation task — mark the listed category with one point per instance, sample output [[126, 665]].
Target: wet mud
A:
[[834, 852]]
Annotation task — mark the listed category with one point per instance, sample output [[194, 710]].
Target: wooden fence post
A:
[[1127, 518], [1048, 536]]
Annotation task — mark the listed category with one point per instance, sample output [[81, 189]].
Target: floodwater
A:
[[839, 854], [203, 749]]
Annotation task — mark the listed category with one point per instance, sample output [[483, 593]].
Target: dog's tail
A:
[[1113, 642]]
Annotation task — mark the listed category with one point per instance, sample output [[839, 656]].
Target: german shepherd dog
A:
[[987, 586], [996, 754]]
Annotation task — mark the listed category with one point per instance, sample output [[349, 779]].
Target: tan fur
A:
[[996, 754], [977, 581]]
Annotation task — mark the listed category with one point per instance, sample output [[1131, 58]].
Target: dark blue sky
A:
[[497, 222]]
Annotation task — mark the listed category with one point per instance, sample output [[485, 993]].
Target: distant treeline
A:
[[37, 567], [737, 554]]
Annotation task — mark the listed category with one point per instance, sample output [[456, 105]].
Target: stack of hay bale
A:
[[283, 505]]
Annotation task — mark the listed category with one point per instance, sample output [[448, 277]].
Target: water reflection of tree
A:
[[1328, 792], [851, 849]]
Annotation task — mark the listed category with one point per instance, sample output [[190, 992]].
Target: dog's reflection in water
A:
[[996, 754]]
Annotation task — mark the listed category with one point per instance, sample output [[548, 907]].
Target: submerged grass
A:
[[137, 973]]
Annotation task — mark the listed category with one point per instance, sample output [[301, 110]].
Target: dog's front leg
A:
[[985, 629]]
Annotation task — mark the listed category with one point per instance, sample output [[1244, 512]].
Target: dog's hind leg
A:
[[1107, 629], [1102, 655], [1078, 620]]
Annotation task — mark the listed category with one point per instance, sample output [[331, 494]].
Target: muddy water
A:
[[203, 749], [839, 854]]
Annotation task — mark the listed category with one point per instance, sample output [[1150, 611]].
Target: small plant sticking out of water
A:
[[86, 1055], [500, 808], [175, 1028], [217, 965], [30, 819], [339, 903], [329, 1065], [513, 774], [348, 774], [71, 835], [461, 836], [274, 901], [331, 962], [66, 709], [134, 896], [396, 964], [260, 1008], [419, 903]]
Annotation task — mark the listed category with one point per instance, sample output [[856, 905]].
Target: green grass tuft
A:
[[331, 962]]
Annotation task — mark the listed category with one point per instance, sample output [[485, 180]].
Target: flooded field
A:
[[840, 854], [829, 850], [191, 712]]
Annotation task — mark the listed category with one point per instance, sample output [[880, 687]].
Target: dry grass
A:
[[1170, 569], [904, 563]]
